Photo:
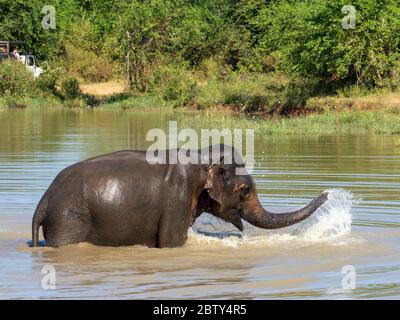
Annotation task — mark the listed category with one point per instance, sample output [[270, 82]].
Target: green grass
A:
[[138, 102], [29, 102], [243, 92], [380, 121], [327, 123]]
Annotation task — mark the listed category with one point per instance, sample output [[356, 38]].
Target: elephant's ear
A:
[[216, 179]]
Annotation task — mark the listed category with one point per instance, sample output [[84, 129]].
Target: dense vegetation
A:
[[255, 55]]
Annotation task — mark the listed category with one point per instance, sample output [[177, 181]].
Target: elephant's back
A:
[[130, 155]]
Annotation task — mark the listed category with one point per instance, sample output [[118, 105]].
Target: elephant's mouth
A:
[[206, 204], [233, 216]]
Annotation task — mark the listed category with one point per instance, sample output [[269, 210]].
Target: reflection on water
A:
[[304, 261]]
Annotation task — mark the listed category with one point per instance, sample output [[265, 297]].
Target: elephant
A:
[[122, 199]]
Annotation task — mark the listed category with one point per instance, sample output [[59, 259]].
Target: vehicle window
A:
[[31, 61]]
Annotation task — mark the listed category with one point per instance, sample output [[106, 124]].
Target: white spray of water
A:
[[331, 221]]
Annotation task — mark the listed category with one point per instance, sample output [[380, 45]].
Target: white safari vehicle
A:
[[8, 51], [30, 63]]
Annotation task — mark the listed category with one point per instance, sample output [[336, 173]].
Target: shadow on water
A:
[[41, 243], [220, 235]]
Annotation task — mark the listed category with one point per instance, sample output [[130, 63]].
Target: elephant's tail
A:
[[38, 220]]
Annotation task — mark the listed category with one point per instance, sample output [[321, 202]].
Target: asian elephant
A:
[[122, 199]]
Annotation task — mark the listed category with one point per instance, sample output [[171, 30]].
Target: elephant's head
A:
[[233, 197]]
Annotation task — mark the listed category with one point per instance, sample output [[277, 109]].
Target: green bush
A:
[[75, 103], [15, 102], [69, 88], [214, 68], [312, 42], [246, 93], [49, 79], [173, 83], [15, 79], [87, 65]]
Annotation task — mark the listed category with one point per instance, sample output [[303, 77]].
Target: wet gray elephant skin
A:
[[121, 199]]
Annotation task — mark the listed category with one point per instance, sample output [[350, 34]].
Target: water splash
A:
[[330, 222]]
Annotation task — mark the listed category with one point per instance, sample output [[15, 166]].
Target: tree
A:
[[22, 20], [142, 32], [312, 42]]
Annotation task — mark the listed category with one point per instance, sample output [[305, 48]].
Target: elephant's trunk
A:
[[255, 214]]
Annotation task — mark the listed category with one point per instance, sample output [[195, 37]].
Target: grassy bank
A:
[[276, 106], [270, 103], [326, 123], [329, 122]]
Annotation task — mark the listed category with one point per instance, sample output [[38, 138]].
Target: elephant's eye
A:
[[245, 191], [222, 173]]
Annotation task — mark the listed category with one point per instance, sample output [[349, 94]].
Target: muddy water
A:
[[358, 227]]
